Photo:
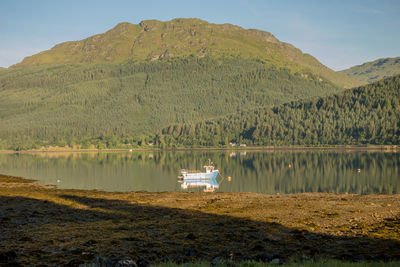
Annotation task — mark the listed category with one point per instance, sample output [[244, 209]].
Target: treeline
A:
[[364, 115], [114, 105]]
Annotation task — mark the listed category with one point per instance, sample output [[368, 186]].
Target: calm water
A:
[[262, 172]]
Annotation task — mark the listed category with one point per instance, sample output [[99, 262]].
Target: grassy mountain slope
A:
[[375, 70], [364, 115], [118, 103], [153, 40]]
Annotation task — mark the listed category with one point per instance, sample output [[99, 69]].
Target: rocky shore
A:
[[43, 225]]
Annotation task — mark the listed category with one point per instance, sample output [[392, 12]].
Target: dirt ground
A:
[[44, 225]]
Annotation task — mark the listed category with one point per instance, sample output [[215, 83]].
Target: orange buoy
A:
[[229, 178], [290, 165], [358, 170]]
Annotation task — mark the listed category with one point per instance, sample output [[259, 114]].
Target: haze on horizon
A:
[[340, 34]]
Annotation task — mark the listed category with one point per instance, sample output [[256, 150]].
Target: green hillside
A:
[[111, 104], [153, 40], [364, 115], [374, 71]]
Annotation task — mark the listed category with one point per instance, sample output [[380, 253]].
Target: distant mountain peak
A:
[[182, 37], [373, 71]]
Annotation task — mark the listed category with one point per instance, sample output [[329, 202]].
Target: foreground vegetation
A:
[[42, 225]]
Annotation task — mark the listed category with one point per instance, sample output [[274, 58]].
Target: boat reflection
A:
[[193, 178], [209, 184]]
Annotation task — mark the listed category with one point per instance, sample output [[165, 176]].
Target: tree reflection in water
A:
[[261, 172]]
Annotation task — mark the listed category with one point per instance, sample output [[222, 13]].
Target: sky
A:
[[339, 33]]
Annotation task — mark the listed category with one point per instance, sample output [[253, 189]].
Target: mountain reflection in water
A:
[[251, 171]]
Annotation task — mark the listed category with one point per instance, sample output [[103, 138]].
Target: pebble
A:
[[217, 261], [276, 261], [126, 263]]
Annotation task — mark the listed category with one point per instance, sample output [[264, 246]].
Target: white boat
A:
[[207, 179], [209, 174]]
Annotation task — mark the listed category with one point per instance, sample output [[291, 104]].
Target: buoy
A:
[[58, 181], [358, 170], [290, 165], [229, 178]]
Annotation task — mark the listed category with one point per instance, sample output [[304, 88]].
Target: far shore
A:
[[370, 148]]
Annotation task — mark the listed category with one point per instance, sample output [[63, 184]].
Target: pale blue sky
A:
[[339, 33]]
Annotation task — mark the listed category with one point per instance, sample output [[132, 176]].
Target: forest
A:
[[364, 115], [126, 105]]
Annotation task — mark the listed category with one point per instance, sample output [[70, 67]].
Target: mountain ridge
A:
[[182, 37], [373, 71]]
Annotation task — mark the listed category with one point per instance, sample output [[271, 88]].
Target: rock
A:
[[217, 261], [165, 259], [191, 252], [359, 258], [127, 262], [90, 243], [76, 251], [191, 236], [246, 258], [258, 246], [142, 263], [8, 256], [102, 262], [276, 261], [178, 259], [263, 257], [25, 239], [75, 262]]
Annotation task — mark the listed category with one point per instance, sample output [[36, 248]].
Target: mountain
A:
[[114, 104], [153, 40], [375, 70], [366, 115]]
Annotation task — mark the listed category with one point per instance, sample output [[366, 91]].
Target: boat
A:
[[209, 174], [207, 179]]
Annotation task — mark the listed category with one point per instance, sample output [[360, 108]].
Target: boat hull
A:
[[201, 175]]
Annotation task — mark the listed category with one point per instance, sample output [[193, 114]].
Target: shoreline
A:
[[344, 148], [41, 224]]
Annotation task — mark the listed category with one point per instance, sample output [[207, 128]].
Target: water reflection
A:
[[209, 184], [261, 172]]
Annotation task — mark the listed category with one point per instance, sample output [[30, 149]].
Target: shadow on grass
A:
[[35, 231]]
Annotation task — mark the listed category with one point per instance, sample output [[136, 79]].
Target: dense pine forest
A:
[[364, 115], [111, 105]]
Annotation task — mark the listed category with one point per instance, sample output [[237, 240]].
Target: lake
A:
[[251, 171]]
